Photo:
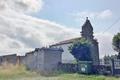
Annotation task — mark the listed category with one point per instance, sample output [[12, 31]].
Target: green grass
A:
[[19, 72]]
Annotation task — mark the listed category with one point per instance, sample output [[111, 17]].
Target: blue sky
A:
[[72, 13], [61, 11], [27, 24]]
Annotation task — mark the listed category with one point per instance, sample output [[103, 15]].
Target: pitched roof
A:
[[66, 41]]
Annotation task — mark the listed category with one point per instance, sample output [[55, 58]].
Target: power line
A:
[[112, 25]]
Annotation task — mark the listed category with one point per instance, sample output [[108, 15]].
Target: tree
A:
[[116, 43], [81, 50]]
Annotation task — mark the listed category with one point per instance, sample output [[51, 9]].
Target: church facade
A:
[[87, 33]]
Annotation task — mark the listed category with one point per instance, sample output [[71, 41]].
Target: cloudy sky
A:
[[27, 24]]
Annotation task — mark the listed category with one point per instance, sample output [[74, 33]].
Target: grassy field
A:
[[10, 72]]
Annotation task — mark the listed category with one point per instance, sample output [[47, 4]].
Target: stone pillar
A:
[[112, 66]]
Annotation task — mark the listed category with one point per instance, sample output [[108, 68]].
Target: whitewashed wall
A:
[[66, 55]]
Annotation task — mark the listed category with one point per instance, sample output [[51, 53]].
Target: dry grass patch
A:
[[9, 70], [19, 72]]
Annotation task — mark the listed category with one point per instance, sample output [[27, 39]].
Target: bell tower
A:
[[87, 33], [87, 30]]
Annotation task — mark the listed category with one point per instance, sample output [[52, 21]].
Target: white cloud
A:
[[106, 14], [32, 31], [23, 6], [105, 44], [18, 31]]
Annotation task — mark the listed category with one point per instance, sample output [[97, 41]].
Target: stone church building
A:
[[87, 33]]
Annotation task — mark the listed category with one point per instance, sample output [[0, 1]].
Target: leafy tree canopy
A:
[[116, 43], [81, 50]]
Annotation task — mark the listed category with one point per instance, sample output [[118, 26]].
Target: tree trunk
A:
[[118, 55]]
